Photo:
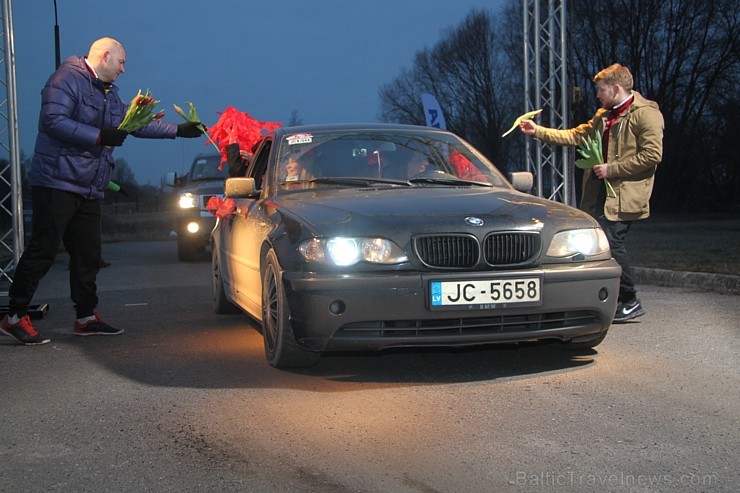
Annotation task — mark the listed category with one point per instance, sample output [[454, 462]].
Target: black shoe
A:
[[628, 311], [23, 331], [95, 328]]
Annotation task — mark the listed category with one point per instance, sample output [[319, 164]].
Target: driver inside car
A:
[[417, 164]]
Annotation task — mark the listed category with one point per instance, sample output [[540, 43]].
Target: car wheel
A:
[[591, 343], [281, 348], [221, 303]]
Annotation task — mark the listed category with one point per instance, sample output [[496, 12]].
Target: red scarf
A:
[[613, 114]]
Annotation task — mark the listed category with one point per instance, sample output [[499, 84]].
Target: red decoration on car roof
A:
[[237, 126]]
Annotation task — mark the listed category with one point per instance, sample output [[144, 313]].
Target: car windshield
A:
[[381, 158], [207, 168]]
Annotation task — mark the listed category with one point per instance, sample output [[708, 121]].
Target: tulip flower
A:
[[140, 112], [525, 116], [591, 155], [193, 117]]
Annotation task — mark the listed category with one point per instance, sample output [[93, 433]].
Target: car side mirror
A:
[[170, 179], [239, 188], [522, 180]]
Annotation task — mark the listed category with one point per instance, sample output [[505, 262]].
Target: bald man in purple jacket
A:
[[71, 168]]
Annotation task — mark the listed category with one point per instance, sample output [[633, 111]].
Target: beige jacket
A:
[[635, 149]]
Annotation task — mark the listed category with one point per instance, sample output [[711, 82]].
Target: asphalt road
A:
[[185, 401]]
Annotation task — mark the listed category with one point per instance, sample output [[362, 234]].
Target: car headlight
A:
[[349, 251], [587, 242], [188, 201]]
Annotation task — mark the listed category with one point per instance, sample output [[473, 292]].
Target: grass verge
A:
[[687, 242]]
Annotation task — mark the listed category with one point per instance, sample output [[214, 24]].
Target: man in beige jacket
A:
[[632, 130]]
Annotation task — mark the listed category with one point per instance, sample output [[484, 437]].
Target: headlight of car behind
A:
[[188, 201], [586, 242], [349, 251]]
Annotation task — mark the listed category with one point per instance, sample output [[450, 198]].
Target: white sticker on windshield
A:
[[299, 139]]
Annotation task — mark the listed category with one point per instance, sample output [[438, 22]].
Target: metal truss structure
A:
[[11, 201], [546, 76]]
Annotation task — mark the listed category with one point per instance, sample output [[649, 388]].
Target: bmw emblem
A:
[[474, 221]]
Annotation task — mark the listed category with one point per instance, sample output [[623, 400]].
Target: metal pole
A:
[[565, 95], [525, 30], [57, 47], [538, 92]]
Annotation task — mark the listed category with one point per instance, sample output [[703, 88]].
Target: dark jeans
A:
[[616, 232], [60, 217]]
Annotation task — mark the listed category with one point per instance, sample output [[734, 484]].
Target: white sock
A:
[[86, 319], [13, 319]]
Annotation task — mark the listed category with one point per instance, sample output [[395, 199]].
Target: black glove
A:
[[123, 191], [112, 137], [190, 130]]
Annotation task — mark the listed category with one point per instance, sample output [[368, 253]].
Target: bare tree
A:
[[684, 55], [295, 119], [124, 177], [471, 77]]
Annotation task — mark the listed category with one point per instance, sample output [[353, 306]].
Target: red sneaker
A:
[[23, 331], [95, 327]]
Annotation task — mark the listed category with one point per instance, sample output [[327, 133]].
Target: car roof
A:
[[281, 131]]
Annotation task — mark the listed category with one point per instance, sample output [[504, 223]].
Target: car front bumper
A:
[[332, 312], [205, 221]]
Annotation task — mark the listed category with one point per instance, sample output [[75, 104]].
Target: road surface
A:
[[185, 401]]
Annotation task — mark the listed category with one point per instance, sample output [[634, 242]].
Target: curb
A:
[[719, 283]]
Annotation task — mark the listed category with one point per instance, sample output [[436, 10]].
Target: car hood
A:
[[424, 209]]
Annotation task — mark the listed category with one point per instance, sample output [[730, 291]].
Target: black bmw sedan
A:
[[357, 237]]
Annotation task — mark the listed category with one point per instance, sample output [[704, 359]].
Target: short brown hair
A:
[[616, 74]]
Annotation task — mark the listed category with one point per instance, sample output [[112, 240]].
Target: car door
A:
[[248, 231]]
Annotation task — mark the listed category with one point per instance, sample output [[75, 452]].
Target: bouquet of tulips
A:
[[591, 155], [140, 112]]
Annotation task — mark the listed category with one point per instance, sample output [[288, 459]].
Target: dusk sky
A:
[[324, 59]]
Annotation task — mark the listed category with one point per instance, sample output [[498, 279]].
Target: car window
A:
[[259, 164], [380, 155], [208, 168]]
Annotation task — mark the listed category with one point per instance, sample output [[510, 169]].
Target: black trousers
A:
[[616, 233], [60, 217]]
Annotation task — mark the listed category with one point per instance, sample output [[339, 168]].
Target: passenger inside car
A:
[[295, 175], [404, 163]]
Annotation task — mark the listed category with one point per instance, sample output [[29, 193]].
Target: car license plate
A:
[[484, 293]]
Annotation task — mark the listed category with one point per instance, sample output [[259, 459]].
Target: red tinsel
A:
[[237, 126], [465, 169], [221, 208]]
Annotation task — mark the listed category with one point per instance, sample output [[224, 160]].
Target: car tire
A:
[[221, 303], [281, 348]]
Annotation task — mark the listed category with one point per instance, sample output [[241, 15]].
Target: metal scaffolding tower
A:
[[11, 200], [546, 76]]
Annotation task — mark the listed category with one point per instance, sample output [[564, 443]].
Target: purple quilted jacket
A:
[[74, 108]]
